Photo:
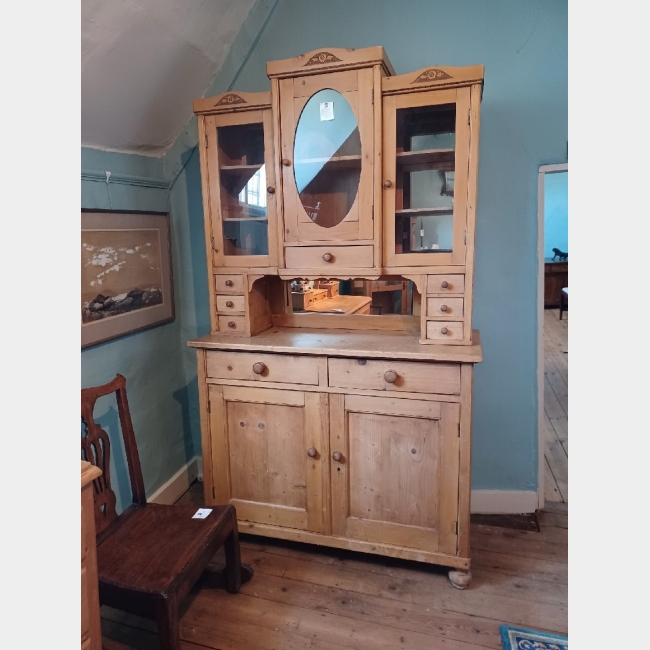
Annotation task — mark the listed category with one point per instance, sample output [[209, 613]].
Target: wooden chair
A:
[[151, 555]]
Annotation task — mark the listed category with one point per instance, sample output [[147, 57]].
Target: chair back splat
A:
[[96, 449]]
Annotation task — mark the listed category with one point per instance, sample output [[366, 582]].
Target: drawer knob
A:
[[443, 307], [337, 455], [259, 368], [270, 190], [390, 376], [443, 330], [230, 303], [444, 284], [328, 257], [387, 184], [228, 283], [286, 162], [311, 452], [232, 324]]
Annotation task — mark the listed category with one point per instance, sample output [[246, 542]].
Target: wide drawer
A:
[[413, 377], [328, 257], [444, 307], [253, 366], [229, 283], [230, 304], [444, 331], [454, 283]]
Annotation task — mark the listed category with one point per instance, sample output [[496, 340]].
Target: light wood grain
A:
[[342, 256], [454, 284], [445, 307], [229, 284], [236, 305]]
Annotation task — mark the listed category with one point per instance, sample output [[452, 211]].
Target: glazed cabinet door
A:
[[269, 450], [327, 136], [395, 471], [238, 152], [426, 154]]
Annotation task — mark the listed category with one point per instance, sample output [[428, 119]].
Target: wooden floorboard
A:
[[307, 597], [556, 406]]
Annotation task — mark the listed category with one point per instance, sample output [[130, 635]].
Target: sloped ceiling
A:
[[143, 62]]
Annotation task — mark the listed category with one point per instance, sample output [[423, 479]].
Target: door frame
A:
[[541, 441]]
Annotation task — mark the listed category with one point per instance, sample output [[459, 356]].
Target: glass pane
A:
[[424, 185], [243, 189], [327, 158]]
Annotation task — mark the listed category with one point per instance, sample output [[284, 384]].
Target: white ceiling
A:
[[143, 62]]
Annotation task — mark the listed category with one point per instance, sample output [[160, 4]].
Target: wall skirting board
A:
[[179, 483], [487, 502]]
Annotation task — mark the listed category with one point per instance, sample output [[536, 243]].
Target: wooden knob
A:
[[328, 257], [443, 330], [443, 307], [337, 455], [230, 303], [444, 284], [270, 190], [286, 162], [311, 452], [232, 324], [390, 376], [229, 283], [387, 184], [259, 368]]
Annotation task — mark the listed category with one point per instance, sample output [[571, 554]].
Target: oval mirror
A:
[[327, 158]]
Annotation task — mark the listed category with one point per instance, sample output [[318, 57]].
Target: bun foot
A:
[[460, 579], [246, 573]]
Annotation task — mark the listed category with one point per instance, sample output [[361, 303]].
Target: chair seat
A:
[[150, 547]]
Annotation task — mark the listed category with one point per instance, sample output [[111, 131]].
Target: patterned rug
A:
[[516, 638]]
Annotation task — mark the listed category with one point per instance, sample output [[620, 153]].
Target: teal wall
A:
[[556, 212], [523, 45], [151, 360]]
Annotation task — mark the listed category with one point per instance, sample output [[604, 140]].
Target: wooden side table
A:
[[91, 633]]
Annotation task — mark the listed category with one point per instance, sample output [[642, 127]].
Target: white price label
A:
[[202, 513], [326, 111]]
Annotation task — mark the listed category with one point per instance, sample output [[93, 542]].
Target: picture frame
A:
[[127, 280], [447, 183]]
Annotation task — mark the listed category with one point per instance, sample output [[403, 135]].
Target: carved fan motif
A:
[[230, 98], [432, 74], [96, 449], [321, 58]]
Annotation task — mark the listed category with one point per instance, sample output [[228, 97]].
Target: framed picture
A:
[[447, 183], [126, 273]]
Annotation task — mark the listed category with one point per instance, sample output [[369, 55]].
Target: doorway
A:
[[553, 317]]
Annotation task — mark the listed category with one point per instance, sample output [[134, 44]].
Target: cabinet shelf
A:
[[423, 212], [235, 177], [336, 162], [260, 219], [425, 156]]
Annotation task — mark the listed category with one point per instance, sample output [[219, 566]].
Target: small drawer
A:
[[253, 366], [229, 283], [412, 377], [444, 331], [445, 307], [230, 304], [329, 257], [232, 324], [446, 284]]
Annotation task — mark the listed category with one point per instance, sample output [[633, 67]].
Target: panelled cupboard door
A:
[[269, 454], [241, 188], [327, 135], [426, 146], [395, 471]]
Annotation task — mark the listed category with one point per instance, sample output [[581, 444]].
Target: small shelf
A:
[[241, 169], [336, 162], [424, 212], [426, 156], [261, 219]]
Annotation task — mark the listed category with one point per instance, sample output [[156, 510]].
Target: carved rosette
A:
[[322, 58], [432, 74], [229, 99]]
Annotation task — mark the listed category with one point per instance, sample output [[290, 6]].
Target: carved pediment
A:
[[432, 74], [322, 57], [230, 99]]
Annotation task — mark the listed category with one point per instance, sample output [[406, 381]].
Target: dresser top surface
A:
[[344, 343]]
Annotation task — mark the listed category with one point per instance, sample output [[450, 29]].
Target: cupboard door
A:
[[395, 471], [241, 181], [269, 454], [327, 134], [426, 159]]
